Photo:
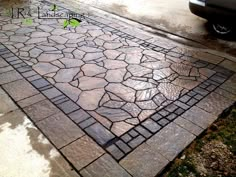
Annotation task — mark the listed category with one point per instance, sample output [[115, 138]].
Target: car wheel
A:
[[221, 29]]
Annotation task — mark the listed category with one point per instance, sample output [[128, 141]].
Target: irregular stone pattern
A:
[[119, 79]]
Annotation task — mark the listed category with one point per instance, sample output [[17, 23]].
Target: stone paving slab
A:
[[229, 65], [178, 139], [105, 166], [144, 161], [199, 117], [190, 126], [215, 103], [21, 139], [60, 130], [133, 95], [230, 85], [226, 94], [41, 110], [82, 152], [20, 89], [8, 77], [6, 104], [31, 100]]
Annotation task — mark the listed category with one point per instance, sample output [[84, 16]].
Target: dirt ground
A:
[[213, 154]]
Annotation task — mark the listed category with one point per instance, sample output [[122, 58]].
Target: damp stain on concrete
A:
[[19, 158], [26, 152]]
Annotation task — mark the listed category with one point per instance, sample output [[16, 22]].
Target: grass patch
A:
[[216, 146]]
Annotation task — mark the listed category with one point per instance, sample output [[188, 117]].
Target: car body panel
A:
[[229, 5], [215, 10]]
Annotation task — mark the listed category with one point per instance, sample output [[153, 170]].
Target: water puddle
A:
[[18, 158]]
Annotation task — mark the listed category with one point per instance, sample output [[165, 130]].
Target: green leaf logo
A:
[[65, 23], [54, 7], [72, 22], [27, 21]]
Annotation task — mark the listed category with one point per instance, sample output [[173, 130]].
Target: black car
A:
[[220, 13]]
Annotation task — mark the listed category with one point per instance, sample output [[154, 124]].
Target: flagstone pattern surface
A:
[[118, 89]]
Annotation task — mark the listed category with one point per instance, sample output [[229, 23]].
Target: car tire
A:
[[221, 29]]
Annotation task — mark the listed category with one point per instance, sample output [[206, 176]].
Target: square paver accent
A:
[[143, 131], [215, 103], [68, 107], [199, 117], [191, 127], [133, 133], [82, 152], [87, 123], [123, 146], [39, 83], [163, 122], [24, 69], [41, 110], [105, 166], [35, 77], [136, 141], [115, 151], [8, 55], [60, 129], [126, 138], [20, 89], [51, 93], [99, 133], [79, 116], [9, 77], [151, 125], [29, 74], [144, 161], [171, 140]]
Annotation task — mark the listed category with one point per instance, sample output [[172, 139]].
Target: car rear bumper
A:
[[211, 13], [198, 8]]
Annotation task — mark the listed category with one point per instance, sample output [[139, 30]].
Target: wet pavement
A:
[[24, 149], [159, 15], [110, 97]]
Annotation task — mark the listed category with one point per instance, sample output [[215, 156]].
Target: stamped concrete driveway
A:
[[116, 98]]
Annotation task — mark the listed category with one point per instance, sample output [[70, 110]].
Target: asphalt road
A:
[[171, 16]]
